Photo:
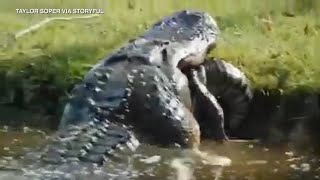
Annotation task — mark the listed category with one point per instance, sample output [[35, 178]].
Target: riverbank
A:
[[273, 42]]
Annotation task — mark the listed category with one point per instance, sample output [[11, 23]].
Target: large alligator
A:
[[139, 94]]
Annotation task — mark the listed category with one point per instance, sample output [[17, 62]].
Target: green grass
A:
[[275, 51]]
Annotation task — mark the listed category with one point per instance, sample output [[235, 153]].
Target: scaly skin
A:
[[136, 92], [221, 96], [151, 113], [232, 89], [179, 40]]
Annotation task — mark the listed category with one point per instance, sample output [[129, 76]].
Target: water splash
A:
[[185, 167]]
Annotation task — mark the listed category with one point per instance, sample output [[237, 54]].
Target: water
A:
[[232, 160]]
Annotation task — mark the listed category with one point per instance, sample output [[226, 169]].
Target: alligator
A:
[[141, 93], [220, 90], [131, 96]]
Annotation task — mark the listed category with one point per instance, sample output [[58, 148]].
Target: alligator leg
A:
[[232, 89], [157, 110], [206, 108]]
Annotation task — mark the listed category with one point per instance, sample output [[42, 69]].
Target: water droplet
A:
[[97, 89]]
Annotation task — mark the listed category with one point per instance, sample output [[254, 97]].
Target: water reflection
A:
[[233, 160]]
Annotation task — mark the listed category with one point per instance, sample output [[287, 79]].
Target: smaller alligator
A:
[[219, 90]]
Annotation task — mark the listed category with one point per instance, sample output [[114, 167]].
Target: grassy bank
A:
[[274, 42]]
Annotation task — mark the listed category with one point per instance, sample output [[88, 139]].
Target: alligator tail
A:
[[72, 151]]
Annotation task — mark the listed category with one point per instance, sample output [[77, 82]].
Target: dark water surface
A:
[[232, 160]]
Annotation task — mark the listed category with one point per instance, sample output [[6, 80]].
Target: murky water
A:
[[233, 160]]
